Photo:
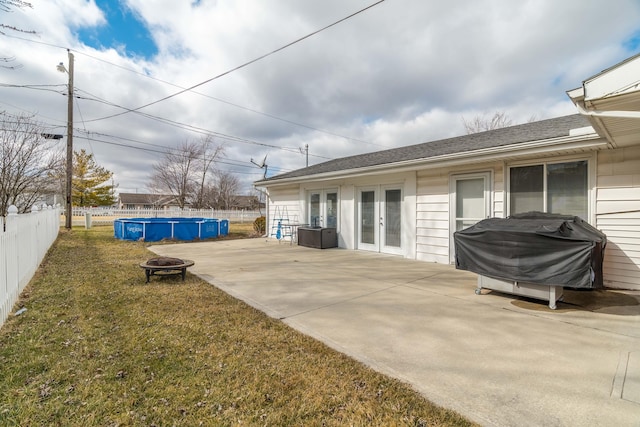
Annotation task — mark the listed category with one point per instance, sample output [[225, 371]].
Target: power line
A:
[[197, 129], [246, 63], [159, 149], [169, 122], [262, 113], [156, 147], [272, 116], [202, 130], [34, 87], [183, 90]]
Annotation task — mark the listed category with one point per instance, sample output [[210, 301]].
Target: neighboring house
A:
[[251, 203], [410, 200], [147, 201]]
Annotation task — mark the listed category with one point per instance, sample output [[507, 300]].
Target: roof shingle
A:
[[528, 132]]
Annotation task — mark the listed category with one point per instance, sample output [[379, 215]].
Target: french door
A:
[[380, 219], [323, 208]]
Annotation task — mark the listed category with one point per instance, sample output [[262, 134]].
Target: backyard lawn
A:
[[97, 346]]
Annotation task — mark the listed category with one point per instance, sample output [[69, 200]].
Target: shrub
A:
[[260, 225]]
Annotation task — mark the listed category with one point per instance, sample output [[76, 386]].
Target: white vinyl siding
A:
[[432, 219], [614, 208], [618, 215], [432, 204], [284, 203]]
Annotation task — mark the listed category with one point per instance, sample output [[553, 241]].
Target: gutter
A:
[[614, 114]]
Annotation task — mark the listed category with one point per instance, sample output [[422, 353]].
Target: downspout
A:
[[266, 214]]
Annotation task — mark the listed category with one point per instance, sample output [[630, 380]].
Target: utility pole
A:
[[68, 210]]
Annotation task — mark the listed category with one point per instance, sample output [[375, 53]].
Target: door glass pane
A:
[[314, 210], [567, 188], [367, 217], [332, 210], [392, 217], [470, 203], [526, 189]]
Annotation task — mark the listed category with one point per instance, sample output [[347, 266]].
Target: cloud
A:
[[403, 72]]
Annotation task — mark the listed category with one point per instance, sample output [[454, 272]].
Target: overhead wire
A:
[[223, 101], [183, 90], [163, 150], [246, 64], [272, 116], [200, 130], [191, 88], [84, 134], [157, 118]]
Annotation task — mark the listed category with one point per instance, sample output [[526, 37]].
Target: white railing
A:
[[24, 241], [102, 216]]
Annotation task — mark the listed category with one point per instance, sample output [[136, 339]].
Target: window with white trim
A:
[[322, 208], [550, 187]]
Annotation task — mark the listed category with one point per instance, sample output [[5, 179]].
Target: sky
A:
[[273, 80]]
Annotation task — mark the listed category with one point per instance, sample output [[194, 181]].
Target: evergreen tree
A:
[[89, 180]]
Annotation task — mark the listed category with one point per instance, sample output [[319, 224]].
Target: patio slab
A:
[[497, 359]]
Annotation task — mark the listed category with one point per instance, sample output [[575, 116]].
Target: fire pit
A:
[[162, 266]]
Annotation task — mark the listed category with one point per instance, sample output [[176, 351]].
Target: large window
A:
[[551, 187]]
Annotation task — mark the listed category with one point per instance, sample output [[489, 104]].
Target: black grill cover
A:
[[534, 247]]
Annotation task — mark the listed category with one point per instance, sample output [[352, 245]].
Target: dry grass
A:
[[99, 347]]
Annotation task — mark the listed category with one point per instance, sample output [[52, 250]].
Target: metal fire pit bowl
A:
[[163, 266]]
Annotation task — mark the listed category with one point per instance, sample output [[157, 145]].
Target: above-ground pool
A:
[[155, 229]]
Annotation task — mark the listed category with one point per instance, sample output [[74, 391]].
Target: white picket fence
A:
[[103, 216], [24, 241]]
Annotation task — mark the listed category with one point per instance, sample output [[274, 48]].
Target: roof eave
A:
[[584, 141]]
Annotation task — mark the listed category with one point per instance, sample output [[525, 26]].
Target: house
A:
[[410, 200], [250, 203], [147, 201]]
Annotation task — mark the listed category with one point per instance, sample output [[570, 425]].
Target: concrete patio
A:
[[497, 359]]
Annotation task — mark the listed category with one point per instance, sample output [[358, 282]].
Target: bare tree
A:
[[227, 185], [28, 164], [210, 152], [176, 172], [260, 196], [222, 192], [209, 197], [482, 123], [8, 6]]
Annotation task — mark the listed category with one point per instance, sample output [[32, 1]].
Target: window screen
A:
[[567, 188], [527, 188], [564, 191]]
